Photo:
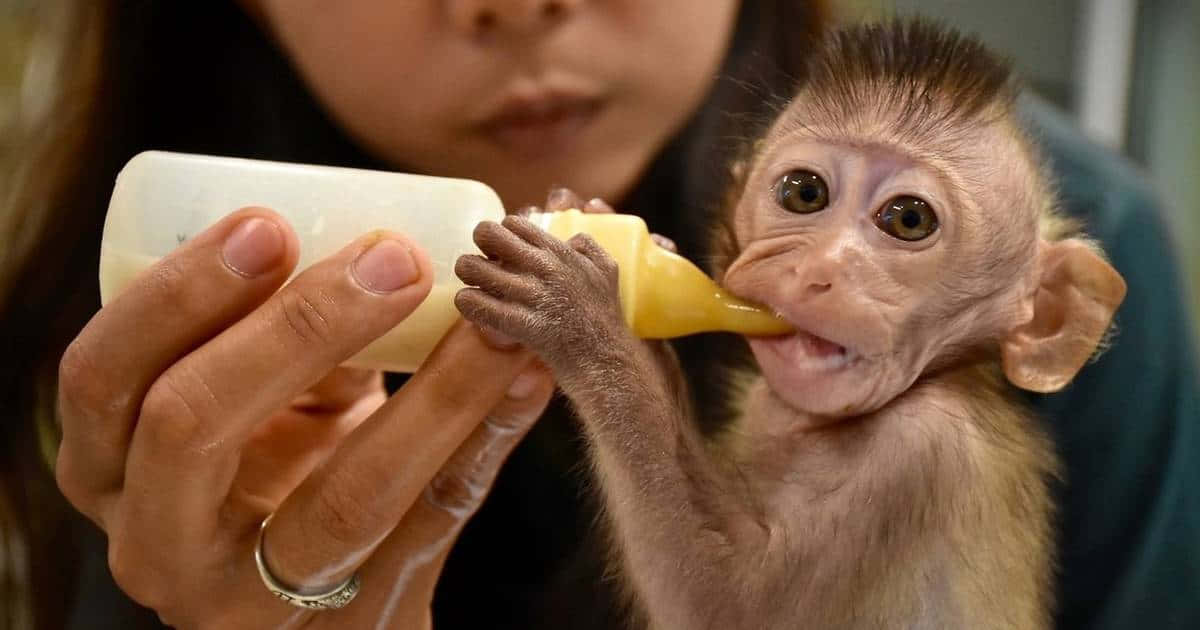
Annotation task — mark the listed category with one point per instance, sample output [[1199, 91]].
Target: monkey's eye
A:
[[802, 191], [907, 218]]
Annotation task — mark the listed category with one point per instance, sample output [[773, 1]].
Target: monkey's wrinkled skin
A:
[[881, 473]]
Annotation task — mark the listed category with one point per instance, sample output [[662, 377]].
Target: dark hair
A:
[[927, 75], [201, 77]]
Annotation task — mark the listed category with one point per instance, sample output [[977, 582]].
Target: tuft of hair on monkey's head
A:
[[927, 85], [926, 78], [912, 82]]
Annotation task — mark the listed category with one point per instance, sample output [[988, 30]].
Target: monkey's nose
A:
[[815, 289]]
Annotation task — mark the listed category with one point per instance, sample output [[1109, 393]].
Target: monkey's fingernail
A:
[[664, 242], [497, 339], [559, 199], [598, 205]]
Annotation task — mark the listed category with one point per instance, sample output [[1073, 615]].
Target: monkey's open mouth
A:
[[820, 346], [807, 351]]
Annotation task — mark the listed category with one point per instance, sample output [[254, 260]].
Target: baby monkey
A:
[[881, 473]]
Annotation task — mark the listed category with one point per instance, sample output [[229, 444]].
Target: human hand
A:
[[188, 418]]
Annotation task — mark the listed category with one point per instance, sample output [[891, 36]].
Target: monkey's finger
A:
[[562, 199], [498, 242], [489, 276], [594, 253], [598, 206], [485, 310], [537, 237], [664, 243]]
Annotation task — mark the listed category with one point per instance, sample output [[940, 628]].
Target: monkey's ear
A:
[[1077, 294]]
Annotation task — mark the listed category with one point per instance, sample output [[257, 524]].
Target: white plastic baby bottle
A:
[[162, 199]]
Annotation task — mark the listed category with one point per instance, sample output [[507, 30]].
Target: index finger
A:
[[177, 304]]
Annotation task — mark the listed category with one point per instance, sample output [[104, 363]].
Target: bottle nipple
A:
[[663, 295]]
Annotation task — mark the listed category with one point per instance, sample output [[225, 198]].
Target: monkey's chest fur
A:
[[934, 512]]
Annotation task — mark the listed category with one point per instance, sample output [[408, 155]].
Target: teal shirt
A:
[[1127, 428]]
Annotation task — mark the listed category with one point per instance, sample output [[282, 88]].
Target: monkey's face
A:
[[882, 260]]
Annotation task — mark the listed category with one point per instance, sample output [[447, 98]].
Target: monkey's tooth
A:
[[819, 346]]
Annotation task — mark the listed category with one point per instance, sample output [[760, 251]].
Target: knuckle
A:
[[168, 280], [524, 289], [133, 573], [309, 314], [82, 386], [72, 482], [446, 394], [608, 267], [544, 264], [456, 491], [171, 412], [341, 514], [75, 371], [583, 240]]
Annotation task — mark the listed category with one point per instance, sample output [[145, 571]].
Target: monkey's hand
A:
[[558, 298]]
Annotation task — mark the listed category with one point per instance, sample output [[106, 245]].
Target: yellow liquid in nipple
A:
[[663, 295]]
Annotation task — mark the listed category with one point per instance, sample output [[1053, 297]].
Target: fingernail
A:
[[522, 386], [254, 247], [558, 197], [597, 205], [387, 266], [497, 339], [664, 242]]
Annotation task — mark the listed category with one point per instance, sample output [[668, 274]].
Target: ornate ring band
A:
[[336, 597]]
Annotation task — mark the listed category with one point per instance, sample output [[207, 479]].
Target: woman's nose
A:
[[483, 17]]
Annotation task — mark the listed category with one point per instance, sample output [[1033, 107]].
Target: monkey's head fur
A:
[[897, 215]]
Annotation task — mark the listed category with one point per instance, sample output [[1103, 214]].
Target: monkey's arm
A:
[[689, 543]]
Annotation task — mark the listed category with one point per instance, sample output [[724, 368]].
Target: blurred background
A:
[[1127, 70]]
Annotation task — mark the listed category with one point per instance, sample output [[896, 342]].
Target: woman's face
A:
[[521, 94]]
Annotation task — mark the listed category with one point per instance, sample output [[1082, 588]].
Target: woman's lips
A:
[[540, 126]]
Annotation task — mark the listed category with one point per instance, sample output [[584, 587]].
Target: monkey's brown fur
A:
[[929, 509]]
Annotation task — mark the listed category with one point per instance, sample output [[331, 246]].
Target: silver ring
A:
[[336, 597]]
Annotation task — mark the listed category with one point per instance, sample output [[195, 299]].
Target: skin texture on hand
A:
[[188, 418]]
